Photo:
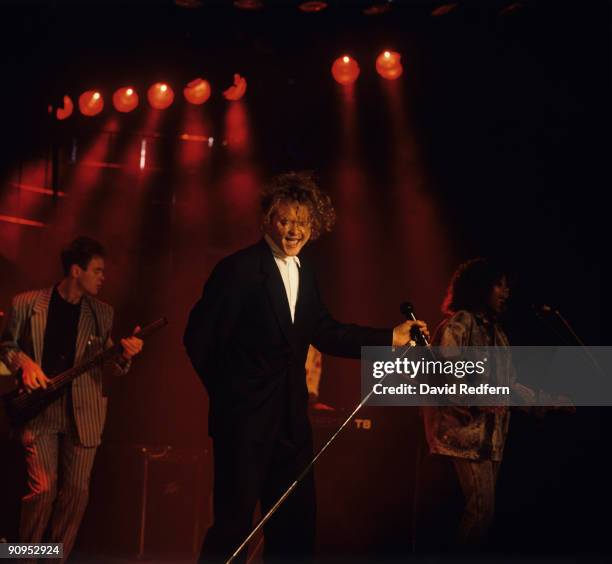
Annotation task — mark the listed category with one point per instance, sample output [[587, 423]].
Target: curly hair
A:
[[301, 188], [80, 251], [471, 285]]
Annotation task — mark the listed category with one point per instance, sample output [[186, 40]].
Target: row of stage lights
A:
[[345, 69], [160, 95]]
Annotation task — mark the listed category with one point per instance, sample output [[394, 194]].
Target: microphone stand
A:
[[304, 472], [580, 342], [570, 330], [407, 309]]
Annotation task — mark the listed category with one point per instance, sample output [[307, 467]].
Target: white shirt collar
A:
[[278, 253]]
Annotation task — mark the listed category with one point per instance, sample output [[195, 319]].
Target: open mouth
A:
[[292, 242]]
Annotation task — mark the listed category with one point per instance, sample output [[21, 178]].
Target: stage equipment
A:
[[388, 65], [345, 70], [197, 91], [236, 91], [125, 99], [377, 8], [248, 4], [443, 9], [160, 96], [312, 7], [66, 111], [149, 502], [543, 311], [91, 103]]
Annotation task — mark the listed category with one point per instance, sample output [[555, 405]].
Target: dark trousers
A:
[[248, 471], [478, 479]]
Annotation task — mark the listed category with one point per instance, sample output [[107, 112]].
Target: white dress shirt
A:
[[289, 271]]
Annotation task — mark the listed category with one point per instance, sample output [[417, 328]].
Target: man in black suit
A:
[[248, 338]]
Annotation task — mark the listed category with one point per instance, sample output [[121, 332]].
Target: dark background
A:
[[493, 142]]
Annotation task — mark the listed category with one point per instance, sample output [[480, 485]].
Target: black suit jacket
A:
[[249, 354]]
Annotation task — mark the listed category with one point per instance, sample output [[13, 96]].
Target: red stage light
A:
[[91, 103], [248, 4], [312, 6], [160, 96], [66, 111], [388, 65], [236, 91], [377, 8], [345, 70], [125, 99], [443, 9], [197, 91]]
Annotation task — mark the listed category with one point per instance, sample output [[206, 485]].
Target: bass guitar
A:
[[21, 405]]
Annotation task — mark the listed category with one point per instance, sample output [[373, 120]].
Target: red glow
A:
[[313, 6], [388, 65], [236, 91], [197, 91], [377, 8], [91, 103], [345, 70], [248, 4], [443, 9], [237, 129], [160, 96], [125, 99], [66, 111], [21, 221], [38, 190]]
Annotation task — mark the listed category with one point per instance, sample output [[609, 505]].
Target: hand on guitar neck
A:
[[132, 345]]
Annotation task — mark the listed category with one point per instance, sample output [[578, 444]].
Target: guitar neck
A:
[[69, 375]]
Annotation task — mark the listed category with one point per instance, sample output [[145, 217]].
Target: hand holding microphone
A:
[[411, 329]]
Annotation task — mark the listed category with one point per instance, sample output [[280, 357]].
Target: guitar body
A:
[[21, 406]]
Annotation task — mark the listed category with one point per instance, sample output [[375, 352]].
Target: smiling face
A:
[[499, 295], [289, 227], [90, 280]]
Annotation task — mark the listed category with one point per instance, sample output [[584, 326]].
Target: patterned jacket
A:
[[25, 332], [476, 433]]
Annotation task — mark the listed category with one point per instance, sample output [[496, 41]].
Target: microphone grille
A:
[[407, 309]]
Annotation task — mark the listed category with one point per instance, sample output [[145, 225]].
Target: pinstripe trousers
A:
[[58, 468]]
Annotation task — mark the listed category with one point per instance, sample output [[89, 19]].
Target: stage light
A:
[[443, 9], [197, 91], [311, 7], [66, 111], [236, 91], [248, 4], [511, 9], [388, 65], [377, 8], [125, 99], [160, 96], [345, 70], [91, 103]]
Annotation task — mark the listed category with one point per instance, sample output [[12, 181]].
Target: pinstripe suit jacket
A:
[[25, 332]]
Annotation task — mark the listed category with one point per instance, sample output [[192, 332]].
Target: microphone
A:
[[407, 310]]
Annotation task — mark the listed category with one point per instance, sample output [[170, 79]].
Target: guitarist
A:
[[49, 331]]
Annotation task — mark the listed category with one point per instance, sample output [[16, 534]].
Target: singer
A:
[[247, 338]]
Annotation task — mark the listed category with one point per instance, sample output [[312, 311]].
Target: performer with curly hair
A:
[[474, 437], [248, 338]]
